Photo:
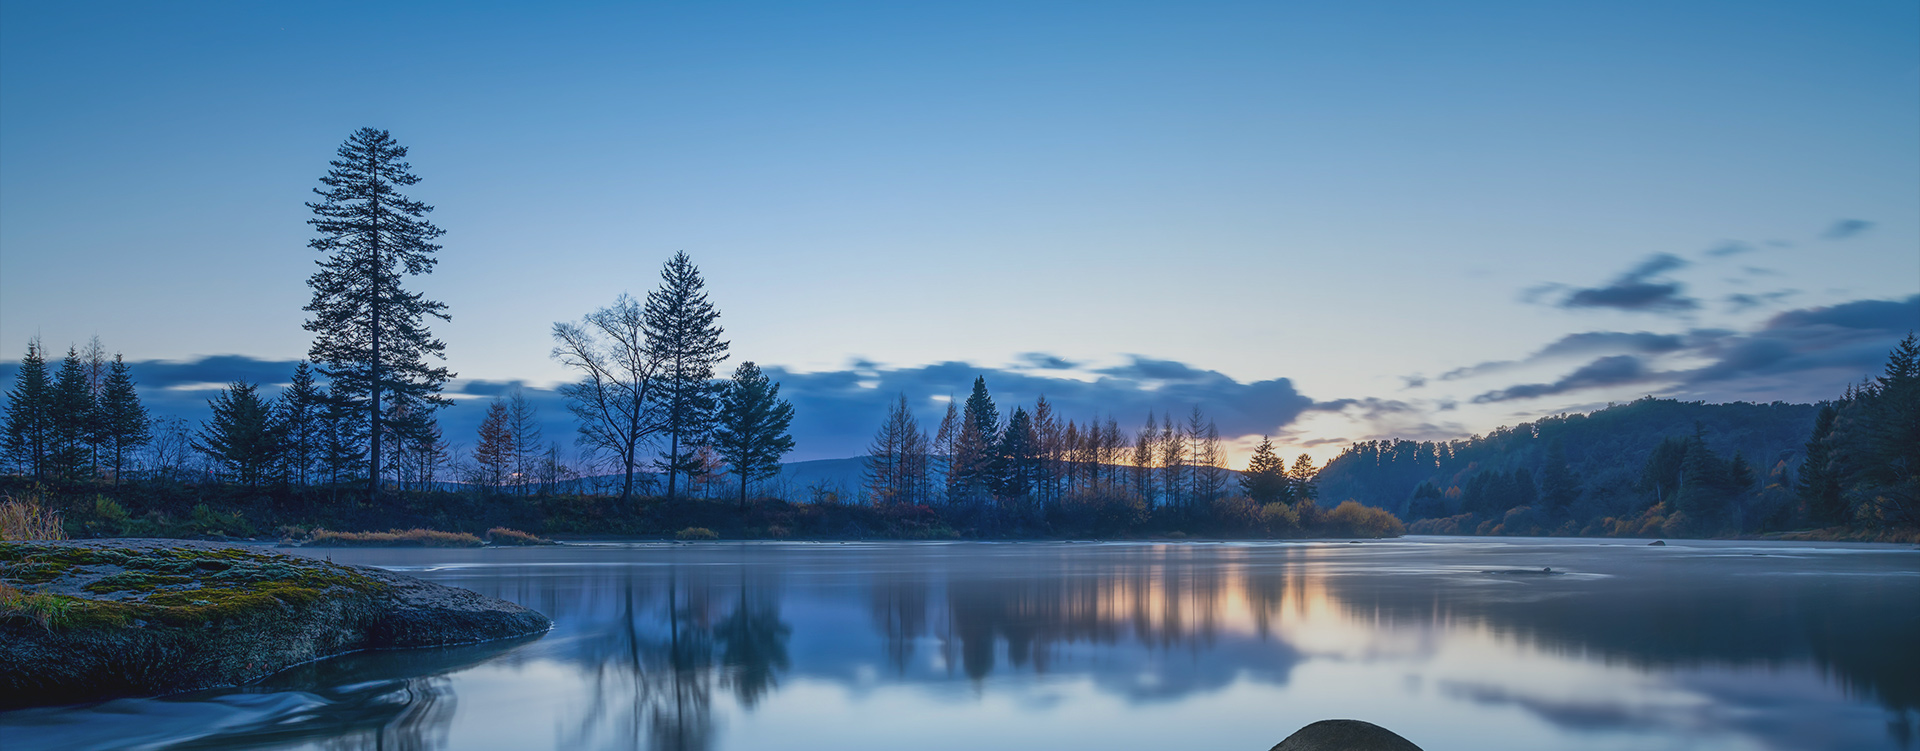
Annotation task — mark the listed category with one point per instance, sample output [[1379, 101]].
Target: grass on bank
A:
[[24, 519]]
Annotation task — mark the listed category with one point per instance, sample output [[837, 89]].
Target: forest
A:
[[664, 446]]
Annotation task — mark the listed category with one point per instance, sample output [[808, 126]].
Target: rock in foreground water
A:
[[96, 619], [1345, 735]]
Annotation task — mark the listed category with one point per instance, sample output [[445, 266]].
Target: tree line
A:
[[1033, 466], [1658, 467]]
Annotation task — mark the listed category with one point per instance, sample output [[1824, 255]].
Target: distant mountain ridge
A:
[[1606, 450]]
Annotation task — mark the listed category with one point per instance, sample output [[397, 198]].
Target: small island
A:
[[96, 619]]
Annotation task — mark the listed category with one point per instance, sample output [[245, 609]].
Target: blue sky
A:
[[1424, 219]]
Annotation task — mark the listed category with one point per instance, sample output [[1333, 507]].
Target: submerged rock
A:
[[1657, 544], [1345, 735], [96, 619]]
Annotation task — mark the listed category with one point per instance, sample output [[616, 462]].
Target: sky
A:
[[1320, 222]]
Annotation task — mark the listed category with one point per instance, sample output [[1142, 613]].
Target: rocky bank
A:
[[83, 620]]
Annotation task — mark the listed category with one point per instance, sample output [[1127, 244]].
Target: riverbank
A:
[[84, 620]]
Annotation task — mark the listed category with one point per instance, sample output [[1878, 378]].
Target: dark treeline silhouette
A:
[[1660, 467], [1034, 473]]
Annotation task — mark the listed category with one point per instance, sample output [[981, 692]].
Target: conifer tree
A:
[[122, 420], [29, 436], [1558, 487], [754, 423], [303, 419], [72, 410], [493, 451], [1265, 480], [1143, 461], [242, 437], [1015, 460], [683, 333], [1819, 482], [973, 448], [370, 334], [95, 358], [1304, 486]]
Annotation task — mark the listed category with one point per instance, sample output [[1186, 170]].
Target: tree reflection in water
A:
[[653, 672]]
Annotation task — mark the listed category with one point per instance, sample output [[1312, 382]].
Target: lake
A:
[[1454, 643]]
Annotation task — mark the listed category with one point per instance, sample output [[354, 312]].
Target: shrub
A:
[[1355, 519], [695, 533], [110, 519], [1279, 518], [25, 520], [503, 536], [204, 520], [1461, 524], [412, 538]]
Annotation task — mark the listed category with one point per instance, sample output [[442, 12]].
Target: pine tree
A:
[[973, 448], [1049, 435], [493, 450], [73, 419], [1558, 487], [1015, 460], [1819, 482], [242, 437], [122, 420], [371, 338], [754, 424], [1305, 488], [29, 437], [303, 408], [1265, 480], [683, 332]]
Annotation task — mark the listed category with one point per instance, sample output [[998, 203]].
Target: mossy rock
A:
[[82, 620]]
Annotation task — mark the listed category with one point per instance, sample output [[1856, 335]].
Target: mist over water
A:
[[1453, 643]]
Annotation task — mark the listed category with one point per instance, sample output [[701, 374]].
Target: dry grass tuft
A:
[[503, 536], [24, 519]]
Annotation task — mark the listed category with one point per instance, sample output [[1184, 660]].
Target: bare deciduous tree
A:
[[614, 398]]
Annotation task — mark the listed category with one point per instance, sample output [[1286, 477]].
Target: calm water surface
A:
[[1703, 645]]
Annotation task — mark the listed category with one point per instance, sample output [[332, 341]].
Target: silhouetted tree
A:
[[302, 418], [614, 399], [972, 467], [752, 433], [370, 334], [1305, 486], [1558, 487], [1877, 437], [1015, 460], [683, 333], [242, 437], [493, 448], [523, 422], [1819, 482], [29, 437], [122, 422], [72, 410], [1265, 480]]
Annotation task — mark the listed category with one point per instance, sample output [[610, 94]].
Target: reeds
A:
[[502, 536], [24, 519]]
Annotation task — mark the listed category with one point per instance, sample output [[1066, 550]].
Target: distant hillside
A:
[[1605, 449]]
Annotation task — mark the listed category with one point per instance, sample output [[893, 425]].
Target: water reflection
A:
[[1133, 645]]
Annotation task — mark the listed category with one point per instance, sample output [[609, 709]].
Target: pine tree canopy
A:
[[370, 334]]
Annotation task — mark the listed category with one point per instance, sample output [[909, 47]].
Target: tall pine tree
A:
[[753, 427], [683, 332], [1265, 480], [242, 436], [121, 420], [370, 334], [29, 427], [72, 410]]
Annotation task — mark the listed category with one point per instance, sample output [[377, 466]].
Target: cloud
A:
[[1729, 248], [1612, 370], [1742, 302], [1808, 354], [1845, 228], [1581, 344], [1045, 361], [1636, 290]]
